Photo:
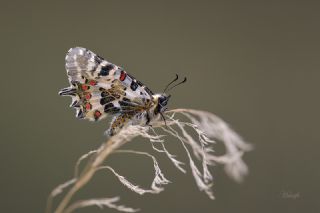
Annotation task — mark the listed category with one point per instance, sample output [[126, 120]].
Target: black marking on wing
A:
[[104, 93], [80, 114], [133, 85], [139, 83], [68, 91], [110, 108], [106, 99], [148, 91], [98, 59], [125, 104], [106, 69]]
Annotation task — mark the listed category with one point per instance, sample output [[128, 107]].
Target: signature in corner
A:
[[289, 195]]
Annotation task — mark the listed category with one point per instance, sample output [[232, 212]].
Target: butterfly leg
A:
[[148, 119], [118, 123]]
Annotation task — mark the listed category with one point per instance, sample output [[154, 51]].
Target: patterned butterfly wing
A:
[[98, 87]]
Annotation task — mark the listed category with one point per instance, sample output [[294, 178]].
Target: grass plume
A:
[[208, 130]]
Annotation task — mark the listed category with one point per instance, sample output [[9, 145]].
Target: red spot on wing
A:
[[88, 106], [97, 114], [92, 82], [123, 75], [88, 96], [84, 87]]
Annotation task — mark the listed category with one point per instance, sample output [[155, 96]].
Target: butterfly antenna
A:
[[182, 82], [176, 78]]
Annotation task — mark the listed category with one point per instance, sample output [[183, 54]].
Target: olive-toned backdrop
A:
[[253, 63]]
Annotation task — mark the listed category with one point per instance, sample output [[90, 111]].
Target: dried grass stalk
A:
[[197, 131]]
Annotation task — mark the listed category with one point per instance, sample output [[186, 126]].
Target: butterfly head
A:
[[163, 98], [162, 102]]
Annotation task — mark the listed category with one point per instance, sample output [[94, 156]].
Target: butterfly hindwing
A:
[[98, 87]]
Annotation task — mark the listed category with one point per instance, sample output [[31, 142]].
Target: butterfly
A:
[[99, 88]]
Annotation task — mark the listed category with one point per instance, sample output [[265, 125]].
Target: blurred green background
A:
[[253, 63]]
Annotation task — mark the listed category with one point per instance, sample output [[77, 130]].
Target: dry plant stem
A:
[[87, 174], [208, 129]]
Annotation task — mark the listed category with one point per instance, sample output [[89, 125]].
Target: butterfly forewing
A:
[[98, 87]]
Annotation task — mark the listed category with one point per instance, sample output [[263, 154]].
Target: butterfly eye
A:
[[163, 100]]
